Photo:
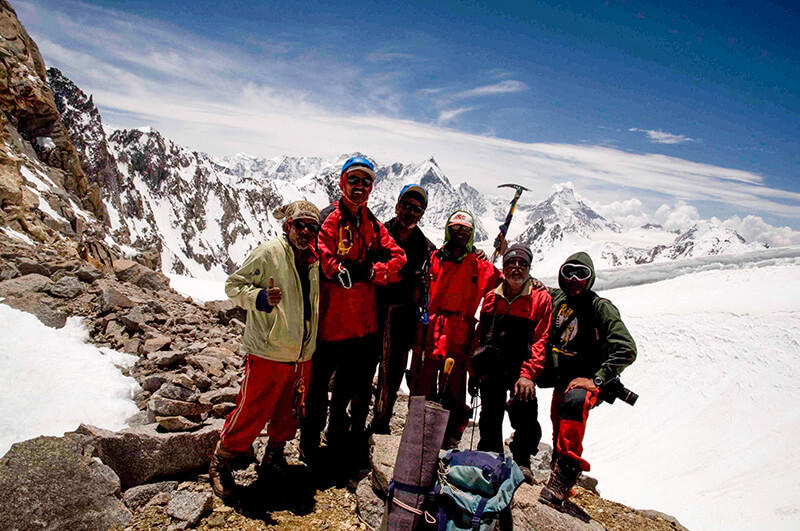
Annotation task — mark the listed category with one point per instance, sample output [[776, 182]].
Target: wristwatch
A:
[[598, 381]]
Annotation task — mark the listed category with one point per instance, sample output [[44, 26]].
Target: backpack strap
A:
[[476, 518]]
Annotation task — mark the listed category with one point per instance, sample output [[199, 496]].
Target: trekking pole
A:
[[473, 406], [448, 367]]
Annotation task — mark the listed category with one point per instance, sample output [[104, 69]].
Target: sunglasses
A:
[[366, 182], [408, 207], [576, 271], [516, 262], [301, 225]]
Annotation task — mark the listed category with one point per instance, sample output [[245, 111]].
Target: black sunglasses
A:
[[576, 271], [301, 225], [516, 262], [366, 182], [416, 209]]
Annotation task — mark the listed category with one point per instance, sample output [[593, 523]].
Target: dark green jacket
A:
[[587, 336]]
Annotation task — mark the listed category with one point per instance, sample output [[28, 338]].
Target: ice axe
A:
[[507, 222]]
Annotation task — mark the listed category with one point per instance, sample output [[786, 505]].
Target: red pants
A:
[[569, 412], [266, 396]]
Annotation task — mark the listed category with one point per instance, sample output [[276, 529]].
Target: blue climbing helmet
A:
[[359, 162]]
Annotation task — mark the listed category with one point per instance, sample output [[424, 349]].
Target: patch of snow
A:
[[51, 381], [35, 179], [18, 235], [200, 289], [45, 142]]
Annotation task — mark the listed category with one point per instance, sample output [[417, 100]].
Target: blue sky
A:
[[666, 102]]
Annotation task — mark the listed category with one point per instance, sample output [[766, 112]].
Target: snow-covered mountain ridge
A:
[[203, 215]]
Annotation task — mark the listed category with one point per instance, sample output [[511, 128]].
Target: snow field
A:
[[51, 381], [713, 437]]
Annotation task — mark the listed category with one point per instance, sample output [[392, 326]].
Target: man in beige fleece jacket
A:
[[278, 285]]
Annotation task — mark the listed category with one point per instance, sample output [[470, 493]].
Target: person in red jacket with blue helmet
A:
[[356, 255]]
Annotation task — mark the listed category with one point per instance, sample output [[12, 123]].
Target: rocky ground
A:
[[153, 475]]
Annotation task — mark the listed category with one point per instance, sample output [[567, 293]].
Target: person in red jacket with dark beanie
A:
[[356, 255], [514, 329]]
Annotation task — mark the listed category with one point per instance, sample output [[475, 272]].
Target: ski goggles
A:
[[576, 271], [301, 225]]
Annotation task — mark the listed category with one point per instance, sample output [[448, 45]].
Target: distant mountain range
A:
[[203, 215]]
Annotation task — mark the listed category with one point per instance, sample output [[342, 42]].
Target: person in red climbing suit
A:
[[458, 281]]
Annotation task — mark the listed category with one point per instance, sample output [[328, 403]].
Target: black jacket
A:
[[418, 249], [587, 335]]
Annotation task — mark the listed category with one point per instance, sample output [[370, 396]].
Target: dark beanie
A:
[[518, 251]]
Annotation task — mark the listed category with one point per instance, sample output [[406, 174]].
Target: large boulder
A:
[[142, 276], [141, 454], [67, 287], [226, 311], [41, 305], [24, 285], [370, 506], [47, 483]]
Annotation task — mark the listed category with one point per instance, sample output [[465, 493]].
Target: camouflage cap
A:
[[297, 210]]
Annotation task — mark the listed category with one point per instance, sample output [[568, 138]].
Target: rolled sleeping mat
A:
[[416, 464]]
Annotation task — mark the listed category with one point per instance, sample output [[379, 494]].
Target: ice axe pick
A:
[[507, 222]]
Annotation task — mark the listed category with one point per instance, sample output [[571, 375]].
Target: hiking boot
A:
[[527, 473], [559, 486], [525, 466], [451, 442], [273, 463], [220, 475], [380, 427]]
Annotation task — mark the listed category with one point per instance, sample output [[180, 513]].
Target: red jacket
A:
[[521, 327], [352, 313], [456, 290]]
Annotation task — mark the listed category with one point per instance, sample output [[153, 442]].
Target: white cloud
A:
[[680, 217], [754, 229], [630, 213], [508, 86], [450, 114], [657, 136], [504, 87]]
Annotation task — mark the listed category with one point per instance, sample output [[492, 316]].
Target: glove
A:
[[358, 272]]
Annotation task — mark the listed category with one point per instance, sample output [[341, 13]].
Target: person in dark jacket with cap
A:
[[398, 303], [513, 331], [590, 346]]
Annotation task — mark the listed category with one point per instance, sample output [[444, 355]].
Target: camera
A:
[[614, 389]]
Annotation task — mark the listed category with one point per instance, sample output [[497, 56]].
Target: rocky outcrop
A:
[[38, 163], [138, 455], [48, 483], [85, 128]]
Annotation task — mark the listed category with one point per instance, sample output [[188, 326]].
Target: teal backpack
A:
[[473, 490]]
